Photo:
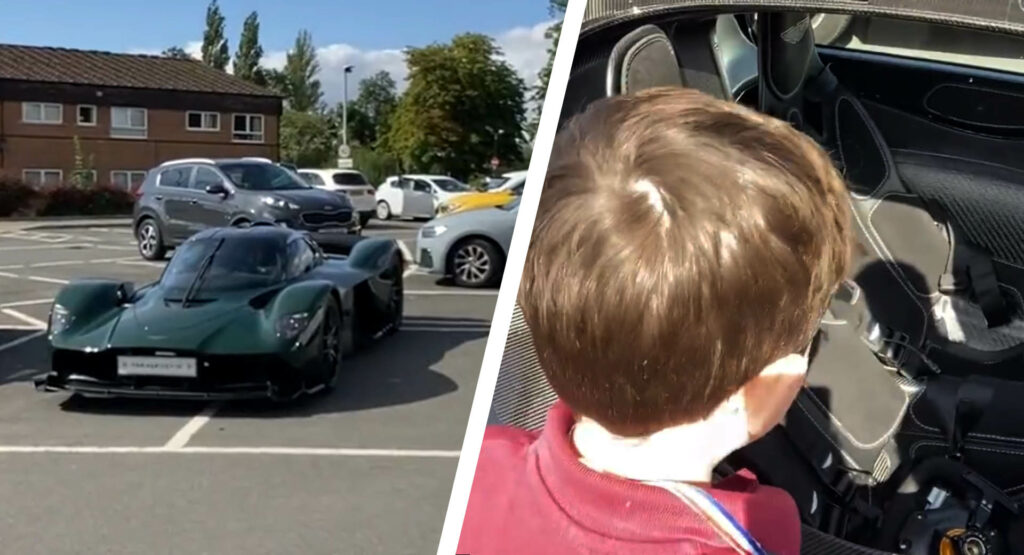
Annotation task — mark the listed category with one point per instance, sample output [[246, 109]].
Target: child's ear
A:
[[769, 394]]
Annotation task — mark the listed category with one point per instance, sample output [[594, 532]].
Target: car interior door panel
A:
[[917, 372]]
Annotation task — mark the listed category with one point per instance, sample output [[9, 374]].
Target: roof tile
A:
[[89, 67]]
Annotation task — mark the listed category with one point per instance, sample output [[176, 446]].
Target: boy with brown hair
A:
[[683, 254]]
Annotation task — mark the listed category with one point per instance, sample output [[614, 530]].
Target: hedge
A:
[[20, 199]]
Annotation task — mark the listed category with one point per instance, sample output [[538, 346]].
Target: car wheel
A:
[[396, 301], [476, 263], [242, 223], [331, 344], [383, 211], [151, 242]]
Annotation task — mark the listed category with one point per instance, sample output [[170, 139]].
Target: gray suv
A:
[[182, 197]]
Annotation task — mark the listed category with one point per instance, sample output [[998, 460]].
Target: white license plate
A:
[[172, 367]]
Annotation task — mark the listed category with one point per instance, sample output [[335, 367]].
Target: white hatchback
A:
[[416, 196], [349, 182]]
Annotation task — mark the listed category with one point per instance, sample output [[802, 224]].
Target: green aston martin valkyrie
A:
[[238, 313]]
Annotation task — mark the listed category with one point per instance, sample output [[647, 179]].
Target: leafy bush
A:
[[97, 200], [16, 197]]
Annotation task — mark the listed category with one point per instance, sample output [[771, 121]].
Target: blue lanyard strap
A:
[[716, 515]]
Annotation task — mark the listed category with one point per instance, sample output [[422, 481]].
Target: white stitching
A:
[[886, 160], [828, 437], [871, 215], [888, 434], [875, 241], [913, 449]]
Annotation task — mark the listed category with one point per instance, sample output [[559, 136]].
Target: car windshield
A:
[[495, 183], [349, 178], [262, 177], [239, 263], [449, 185]]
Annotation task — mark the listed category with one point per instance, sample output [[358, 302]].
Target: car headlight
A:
[[279, 203], [60, 319], [291, 325], [433, 231]]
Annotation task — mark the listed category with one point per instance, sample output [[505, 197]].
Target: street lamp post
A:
[[344, 105]]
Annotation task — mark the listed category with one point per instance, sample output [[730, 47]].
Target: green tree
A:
[[463, 105], [176, 52], [557, 9], [215, 44], [247, 59], [375, 164], [306, 139], [277, 81], [300, 70], [377, 100], [83, 174]]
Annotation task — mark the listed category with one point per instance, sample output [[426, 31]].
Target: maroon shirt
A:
[[532, 495]]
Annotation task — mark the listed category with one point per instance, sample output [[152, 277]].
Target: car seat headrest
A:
[[791, 51], [642, 59]]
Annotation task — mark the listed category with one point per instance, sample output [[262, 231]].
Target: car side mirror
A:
[[124, 293], [217, 189]]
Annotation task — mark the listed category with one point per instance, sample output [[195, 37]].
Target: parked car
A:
[[416, 196], [238, 313], [511, 187], [183, 197], [471, 247], [348, 182]]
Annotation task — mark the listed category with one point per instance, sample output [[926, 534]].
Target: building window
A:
[[86, 115], [248, 128], [128, 122], [42, 177], [42, 112], [202, 121], [127, 179]]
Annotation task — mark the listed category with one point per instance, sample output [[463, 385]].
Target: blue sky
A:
[[367, 34]]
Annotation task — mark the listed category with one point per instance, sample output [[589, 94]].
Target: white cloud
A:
[[525, 48]]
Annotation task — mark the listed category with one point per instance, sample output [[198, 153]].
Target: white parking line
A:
[[406, 253], [26, 303], [47, 280], [40, 247], [457, 292], [21, 340], [39, 324], [301, 451], [182, 437], [424, 329]]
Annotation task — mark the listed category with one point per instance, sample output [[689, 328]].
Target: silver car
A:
[[471, 247]]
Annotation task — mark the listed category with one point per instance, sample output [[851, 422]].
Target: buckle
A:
[[887, 343], [949, 284]]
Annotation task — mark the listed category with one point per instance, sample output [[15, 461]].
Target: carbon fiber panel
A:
[[985, 202], [522, 395]]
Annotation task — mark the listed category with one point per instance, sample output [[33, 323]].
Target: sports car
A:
[[259, 312]]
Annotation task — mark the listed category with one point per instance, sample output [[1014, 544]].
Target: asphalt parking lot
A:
[[367, 469]]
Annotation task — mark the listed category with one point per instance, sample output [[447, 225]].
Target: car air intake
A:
[[327, 218]]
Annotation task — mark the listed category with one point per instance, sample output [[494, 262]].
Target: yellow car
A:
[[501, 195]]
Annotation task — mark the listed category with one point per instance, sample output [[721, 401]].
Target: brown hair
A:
[[682, 244]]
